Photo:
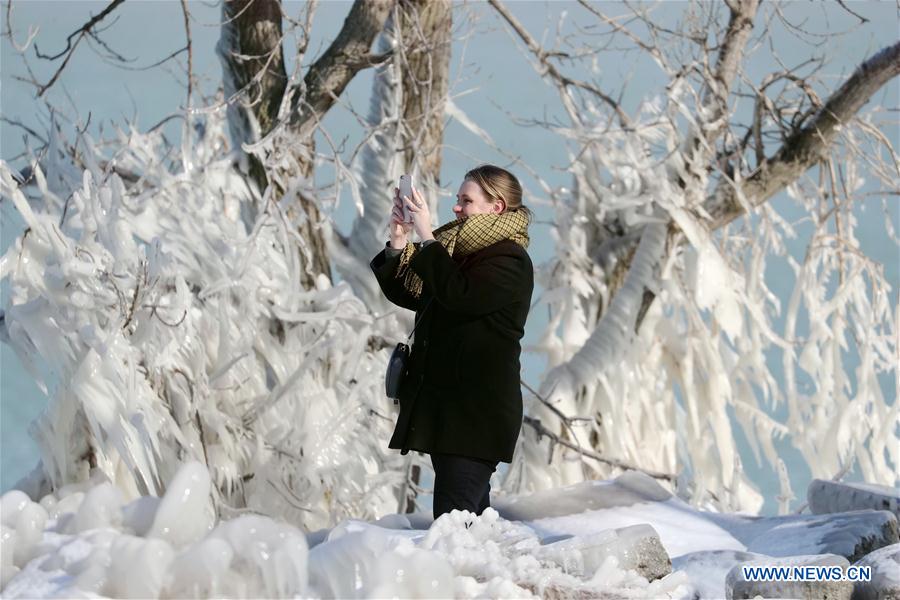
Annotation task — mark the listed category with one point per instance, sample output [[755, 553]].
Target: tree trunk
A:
[[253, 65], [252, 61], [425, 32]]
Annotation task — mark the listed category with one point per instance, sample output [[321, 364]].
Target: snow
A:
[[580, 540]]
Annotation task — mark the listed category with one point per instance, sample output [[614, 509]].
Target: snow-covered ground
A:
[[589, 540]]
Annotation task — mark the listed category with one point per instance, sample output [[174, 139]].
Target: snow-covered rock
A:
[[632, 487], [885, 582], [737, 586], [636, 547], [851, 534], [833, 496]]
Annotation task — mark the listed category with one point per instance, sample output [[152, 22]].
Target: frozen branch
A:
[[250, 51], [808, 145], [542, 431], [699, 146]]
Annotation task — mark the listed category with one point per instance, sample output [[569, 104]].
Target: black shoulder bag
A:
[[396, 369]]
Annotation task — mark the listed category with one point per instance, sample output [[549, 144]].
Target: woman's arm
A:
[[485, 287], [384, 266]]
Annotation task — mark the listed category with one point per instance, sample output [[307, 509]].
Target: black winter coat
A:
[[461, 393]]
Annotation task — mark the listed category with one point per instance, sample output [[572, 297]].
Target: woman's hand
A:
[[399, 229], [421, 215]]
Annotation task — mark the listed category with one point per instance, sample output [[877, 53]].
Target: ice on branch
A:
[[173, 333]]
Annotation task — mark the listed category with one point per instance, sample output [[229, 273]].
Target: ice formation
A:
[[67, 550], [668, 396], [176, 331], [183, 553], [207, 407]]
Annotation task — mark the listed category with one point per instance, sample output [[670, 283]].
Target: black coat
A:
[[461, 393]]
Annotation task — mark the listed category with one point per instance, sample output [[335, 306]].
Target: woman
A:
[[470, 283]]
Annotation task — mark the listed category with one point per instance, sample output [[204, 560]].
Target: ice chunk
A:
[[139, 514], [736, 586], [101, 507], [67, 505], [7, 572], [185, 514], [270, 558], [394, 521], [49, 503], [7, 551], [834, 496], [885, 582], [29, 529], [636, 547], [200, 571], [411, 574], [23, 525], [139, 567], [11, 504], [344, 565]]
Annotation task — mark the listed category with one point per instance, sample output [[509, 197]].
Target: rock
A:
[[885, 582], [555, 592], [832, 496], [636, 547], [736, 586], [850, 534]]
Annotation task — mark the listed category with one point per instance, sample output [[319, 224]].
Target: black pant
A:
[[461, 483]]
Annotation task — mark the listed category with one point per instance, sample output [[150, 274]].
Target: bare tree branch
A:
[[550, 69], [32, 31], [330, 74], [190, 64], [541, 430], [69, 50], [808, 145], [861, 18]]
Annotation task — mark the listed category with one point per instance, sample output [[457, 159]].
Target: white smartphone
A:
[[406, 190]]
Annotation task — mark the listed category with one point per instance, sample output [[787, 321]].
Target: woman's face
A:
[[471, 200]]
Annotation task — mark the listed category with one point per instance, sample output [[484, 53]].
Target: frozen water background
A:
[[492, 62]]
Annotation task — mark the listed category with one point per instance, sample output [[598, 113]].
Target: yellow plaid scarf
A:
[[465, 236]]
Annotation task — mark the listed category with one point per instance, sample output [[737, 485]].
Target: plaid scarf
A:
[[465, 236]]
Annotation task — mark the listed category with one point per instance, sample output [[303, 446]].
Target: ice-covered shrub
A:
[[174, 330]]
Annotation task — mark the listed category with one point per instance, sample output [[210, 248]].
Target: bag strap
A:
[[419, 320]]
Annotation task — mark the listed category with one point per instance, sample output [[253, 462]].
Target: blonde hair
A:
[[499, 184]]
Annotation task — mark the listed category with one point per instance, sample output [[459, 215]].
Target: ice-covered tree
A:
[[196, 317], [661, 315], [195, 301]]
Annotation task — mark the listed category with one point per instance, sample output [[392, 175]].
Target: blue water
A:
[[491, 62]]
